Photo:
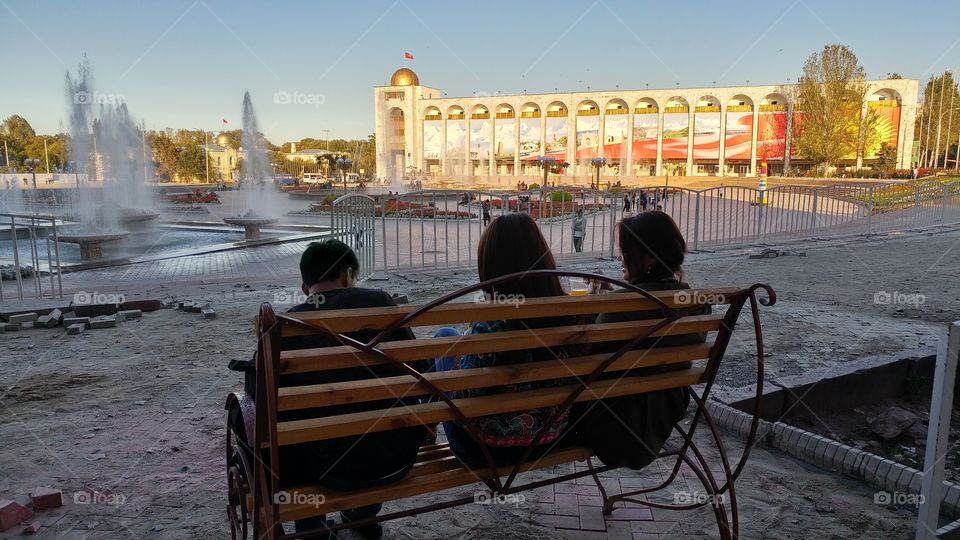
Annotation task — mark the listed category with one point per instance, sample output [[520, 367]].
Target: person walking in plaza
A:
[[643, 199], [626, 205], [579, 230], [485, 208]]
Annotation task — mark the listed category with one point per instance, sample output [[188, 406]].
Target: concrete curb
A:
[[819, 451]]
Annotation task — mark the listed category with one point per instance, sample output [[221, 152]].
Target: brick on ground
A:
[[75, 329], [142, 305], [21, 318], [9, 327], [44, 497], [209, 313], [198, 307], [69, 321], [12, 514], [103, 321], [129, 314], [32, 528]]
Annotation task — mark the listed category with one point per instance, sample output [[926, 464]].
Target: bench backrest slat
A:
[[364, 390], [330, 427], [350, 320], [308, 360]]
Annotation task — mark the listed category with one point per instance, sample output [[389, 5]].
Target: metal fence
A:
[[353, 221], [441, 228], [25, 235]]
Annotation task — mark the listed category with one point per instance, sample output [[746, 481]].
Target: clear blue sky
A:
[[187, 63]]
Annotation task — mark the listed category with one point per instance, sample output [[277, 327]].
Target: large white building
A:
[[686, 131]]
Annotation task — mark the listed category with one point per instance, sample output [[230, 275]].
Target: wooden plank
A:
[[349, 320], [307, 360], [413, 485], [330, 427], [321, 395]]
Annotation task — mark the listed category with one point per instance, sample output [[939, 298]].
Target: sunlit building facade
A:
[[681, 131]]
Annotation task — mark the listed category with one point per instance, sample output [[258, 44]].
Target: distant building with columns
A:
[[679, 131]]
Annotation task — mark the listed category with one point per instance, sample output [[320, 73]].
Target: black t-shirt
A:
[[354, 461]]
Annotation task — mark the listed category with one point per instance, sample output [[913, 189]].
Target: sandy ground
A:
[[137, 410]]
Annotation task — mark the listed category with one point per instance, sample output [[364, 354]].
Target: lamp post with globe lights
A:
[[598, 163]]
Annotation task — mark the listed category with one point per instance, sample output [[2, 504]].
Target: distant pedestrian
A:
[[721, 191], [579, 227], [643, 199], [485, 206], [626, 204]]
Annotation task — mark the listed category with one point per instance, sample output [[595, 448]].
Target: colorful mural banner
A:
[[888, 128], [706, 135], [771, 135], [739, 135], [432, 138], [645, 136], [456, 139], [616, 134], [480, 133], [676, 129], [588, 137], [505, 138], [556, 138], [529, 138]]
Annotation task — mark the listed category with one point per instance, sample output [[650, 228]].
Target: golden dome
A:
[[223, 140], [404, 77]]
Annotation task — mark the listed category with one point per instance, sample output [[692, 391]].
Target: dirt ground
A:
[[137, 409]]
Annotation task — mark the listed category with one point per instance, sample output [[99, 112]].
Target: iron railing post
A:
[[696, 221]]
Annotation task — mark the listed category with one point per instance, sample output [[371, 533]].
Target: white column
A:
[[723, 139], [572, 141], [468, 161], [690, 130], [443, 147], [787, 137]]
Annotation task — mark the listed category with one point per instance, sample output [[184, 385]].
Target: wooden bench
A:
[[253, 475]]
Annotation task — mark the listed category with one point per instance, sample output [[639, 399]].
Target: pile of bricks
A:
[[13, 513], [202, 308], [79, 317]]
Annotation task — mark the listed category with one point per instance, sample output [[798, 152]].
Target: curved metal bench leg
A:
[[730, 485], [238, 487], [710, 484]]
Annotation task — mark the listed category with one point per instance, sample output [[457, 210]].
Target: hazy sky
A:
[[187, 63]]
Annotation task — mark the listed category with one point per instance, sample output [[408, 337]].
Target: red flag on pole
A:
[[225, 121], [408, 56]]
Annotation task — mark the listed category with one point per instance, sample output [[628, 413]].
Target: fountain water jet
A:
[[256, 211], [119, 152]]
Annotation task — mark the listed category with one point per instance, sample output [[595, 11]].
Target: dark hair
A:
[[513, 243], [327, 260], [652, 233]]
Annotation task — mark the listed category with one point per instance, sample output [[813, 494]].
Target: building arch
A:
[[432, 113], [455, 112], [480, 111], [557, 108], [774, 100], [588, 107], [677, 102], [885, 94], [505, 110], [530, 110], [708, 102], [646, 103], [616, 106], [740, 100]]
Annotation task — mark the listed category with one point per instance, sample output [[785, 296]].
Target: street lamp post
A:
[[598, 163]]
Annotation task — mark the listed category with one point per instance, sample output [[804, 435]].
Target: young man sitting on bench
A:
[[328, 269]]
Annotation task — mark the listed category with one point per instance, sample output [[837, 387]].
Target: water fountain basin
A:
[[251, 224], [91, 244]]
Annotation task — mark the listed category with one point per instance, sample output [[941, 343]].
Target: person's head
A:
[[579, 211], [513, 243], [328, 264], [659, 208], [651, 247]]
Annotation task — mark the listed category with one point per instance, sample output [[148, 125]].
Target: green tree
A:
[[191, 162], [886, 158], [830, 94], [16, 132], [57, 149], [166, 156], [940, 96]]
